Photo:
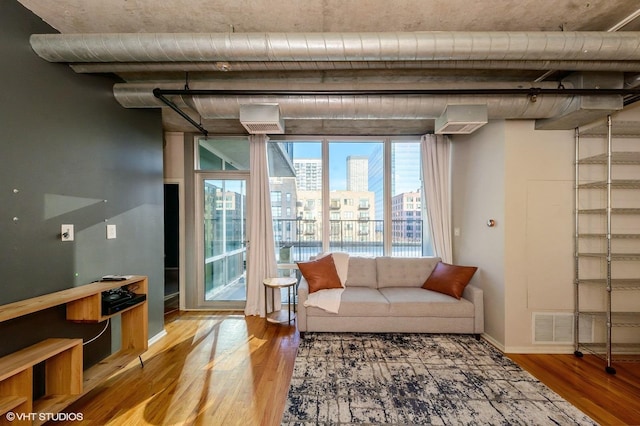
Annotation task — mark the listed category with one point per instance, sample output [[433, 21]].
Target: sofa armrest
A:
[[303, 294], [476, 296]]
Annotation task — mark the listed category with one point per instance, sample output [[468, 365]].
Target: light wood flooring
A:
[[220, 368]]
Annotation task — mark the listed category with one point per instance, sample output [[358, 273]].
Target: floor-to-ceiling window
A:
[[354, 225], [367, 192], [359, 195]]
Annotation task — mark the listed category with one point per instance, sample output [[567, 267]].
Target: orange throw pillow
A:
[[449, 279], [321, 273]]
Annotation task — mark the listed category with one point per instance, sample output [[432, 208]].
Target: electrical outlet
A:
[[111, 232], [66, 232]]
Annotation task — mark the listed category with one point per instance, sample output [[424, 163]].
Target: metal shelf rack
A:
[[589, 191]]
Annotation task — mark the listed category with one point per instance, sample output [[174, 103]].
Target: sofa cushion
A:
[[417, 302], [449, 279], [404, 271], [357, 302], [362, 272], [341, 260], [320, 273]]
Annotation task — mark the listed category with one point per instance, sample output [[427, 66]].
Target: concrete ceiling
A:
[[336, 16]]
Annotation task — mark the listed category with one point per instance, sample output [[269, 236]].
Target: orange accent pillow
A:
[[321, 273], [449, 279]]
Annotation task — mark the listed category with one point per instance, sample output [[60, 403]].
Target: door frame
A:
[[182, 261], [200, 177]]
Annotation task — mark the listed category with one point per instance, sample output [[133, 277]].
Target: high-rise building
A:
[[405, 171], [406, 212], [308, 174], [357, 173], [284, 208]]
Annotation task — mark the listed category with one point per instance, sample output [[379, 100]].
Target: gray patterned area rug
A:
[[416, 379]]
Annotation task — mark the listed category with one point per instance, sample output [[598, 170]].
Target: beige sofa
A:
[[385, 294]]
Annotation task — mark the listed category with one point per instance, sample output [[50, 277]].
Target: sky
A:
[[338, 153]]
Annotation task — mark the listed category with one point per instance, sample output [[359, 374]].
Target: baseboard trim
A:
[[537, 349], [493, 342], [157, 337], [560, 350]]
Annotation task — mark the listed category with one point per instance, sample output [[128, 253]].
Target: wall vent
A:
[[550, 328]]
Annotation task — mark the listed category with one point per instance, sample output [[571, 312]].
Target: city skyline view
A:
[[404, 179], [356, 175]]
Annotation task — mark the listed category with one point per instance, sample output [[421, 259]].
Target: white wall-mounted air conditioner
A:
[[461, 119], [262, 118]]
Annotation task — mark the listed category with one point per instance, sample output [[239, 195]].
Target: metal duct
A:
[[225, 66], [377, 107], [587, 51], [415, 46], [140, 95]]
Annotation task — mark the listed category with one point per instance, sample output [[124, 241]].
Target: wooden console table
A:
[[65, 381]]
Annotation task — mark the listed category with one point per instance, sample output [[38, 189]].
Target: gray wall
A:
[[75, 156]]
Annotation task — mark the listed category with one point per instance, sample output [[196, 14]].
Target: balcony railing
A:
[[357, 237]]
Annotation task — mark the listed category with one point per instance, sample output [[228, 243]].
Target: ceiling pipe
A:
[[376, 107], [375, 104], [183, 114], [616, 27], [623, 23], [140, 95], [302, 49], [287, 47], [227, 66], [362, 104], [632, 81], [533, 91]]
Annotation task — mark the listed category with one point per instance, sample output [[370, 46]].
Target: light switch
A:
[[66, 232], [111, 232], [456, 232]]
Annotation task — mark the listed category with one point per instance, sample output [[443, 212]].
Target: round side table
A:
[[274, 284]]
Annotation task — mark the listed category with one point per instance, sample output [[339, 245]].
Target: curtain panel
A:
[[436, 180], [261, 257]]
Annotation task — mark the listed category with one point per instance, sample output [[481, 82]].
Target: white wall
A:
[[539, 230], [174, 156], [478, 181], [523, 179]]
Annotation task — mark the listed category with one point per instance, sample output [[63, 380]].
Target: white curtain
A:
[[436, 157], [261, 258]]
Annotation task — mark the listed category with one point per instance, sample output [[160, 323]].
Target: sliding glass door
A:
[[223, 246]]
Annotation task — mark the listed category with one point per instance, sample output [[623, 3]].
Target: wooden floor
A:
[[609, 399], [227, 369]]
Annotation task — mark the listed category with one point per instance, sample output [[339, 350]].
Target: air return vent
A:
[[461, 119], [262, 118], [558, 328]]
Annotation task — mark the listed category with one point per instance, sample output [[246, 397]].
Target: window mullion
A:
[[326, 231], [386, 199]]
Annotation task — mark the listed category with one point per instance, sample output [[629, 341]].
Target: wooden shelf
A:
[[63, 374], [40, 303], [89, 308], [12, 364], [65, 381], [93, 377], [9, 403]]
